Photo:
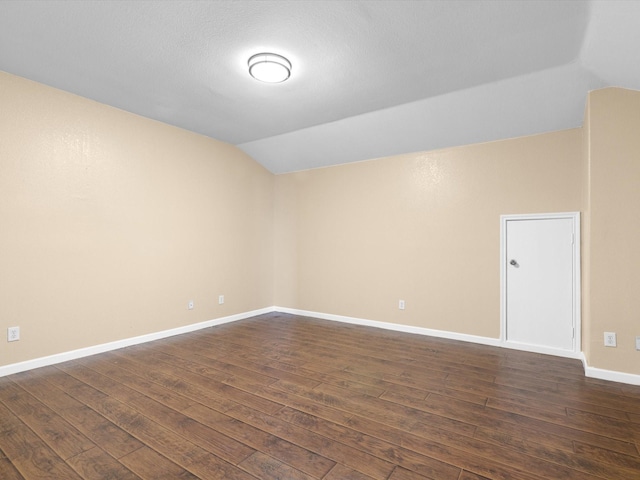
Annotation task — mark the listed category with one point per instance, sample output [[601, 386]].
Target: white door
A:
[[540, 276]]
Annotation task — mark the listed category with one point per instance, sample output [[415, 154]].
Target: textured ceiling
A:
[[369, 78]]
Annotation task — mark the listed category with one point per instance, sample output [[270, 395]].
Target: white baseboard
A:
[[127, 342], [494, 342], [610, 375], [557, 352], [591, 372]]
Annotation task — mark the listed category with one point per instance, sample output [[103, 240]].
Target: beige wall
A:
[[422, 227], [111, 222], [613, 123], [585, 236]]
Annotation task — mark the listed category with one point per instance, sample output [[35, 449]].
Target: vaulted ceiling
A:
[[369, 78]]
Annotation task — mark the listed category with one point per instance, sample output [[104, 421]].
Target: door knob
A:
[[514, 263]]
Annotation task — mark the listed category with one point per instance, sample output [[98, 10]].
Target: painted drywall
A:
[[110, 223], [585, 237], [422, 227], [613, 123]]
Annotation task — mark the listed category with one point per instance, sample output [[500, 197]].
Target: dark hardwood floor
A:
[[285, 397]]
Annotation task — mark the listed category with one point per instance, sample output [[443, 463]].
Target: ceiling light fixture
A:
[[269, 67]]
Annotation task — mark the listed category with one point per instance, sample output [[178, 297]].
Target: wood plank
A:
[[109, 365], [94, 426], [199, 386], [268, 468], [340, 472], [27, 452], [471, 476], [403, 457], [300, 458], [338, 452], [283, 396], [150, 465], [174, 383], [7, 470], [493, 418], [550, 402], [403, 474], [95, 464], [512, 434], [159, 437], [613, 459], [57, 433], [400, 416], [213, 441]]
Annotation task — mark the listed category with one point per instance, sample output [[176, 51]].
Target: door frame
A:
[[577, 319]]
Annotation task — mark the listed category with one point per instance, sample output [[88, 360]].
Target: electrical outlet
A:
[[220, 299], [13, 334], [190, 305], [401, 304], [610, 339], [637, 343]]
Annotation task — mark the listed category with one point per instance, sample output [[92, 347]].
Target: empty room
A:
[[338, 240]]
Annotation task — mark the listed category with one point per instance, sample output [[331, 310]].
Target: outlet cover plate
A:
[[610, 339], [13, 334], [637, 343], [190, 305]]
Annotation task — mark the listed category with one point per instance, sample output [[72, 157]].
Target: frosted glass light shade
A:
[[269, 67]]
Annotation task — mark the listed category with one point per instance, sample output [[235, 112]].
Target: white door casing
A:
[[540, 283]]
